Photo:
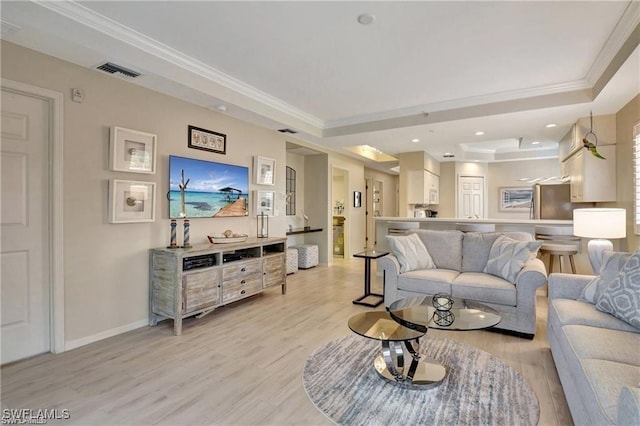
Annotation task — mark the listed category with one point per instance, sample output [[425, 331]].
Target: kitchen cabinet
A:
[[592, 179], [423, 187], [604, 126]]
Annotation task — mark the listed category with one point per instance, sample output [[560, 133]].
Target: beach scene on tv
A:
[[199, 188]]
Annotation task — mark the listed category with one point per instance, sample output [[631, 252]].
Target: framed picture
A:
[[132, 151], [131, 201], [264, 170], [199, 188], [207, 140], [357, 199], [265, 202], [515, 199]]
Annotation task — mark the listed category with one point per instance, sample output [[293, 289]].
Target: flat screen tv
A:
[[199, 188]]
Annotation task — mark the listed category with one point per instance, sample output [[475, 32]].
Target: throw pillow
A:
[[612, 263], [411, 252], [622, 297], [508, 256]]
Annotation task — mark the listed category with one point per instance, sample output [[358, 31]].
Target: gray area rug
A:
[[479, 389]]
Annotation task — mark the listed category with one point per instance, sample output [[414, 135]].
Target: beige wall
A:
[[106, 265], [626, 118], [506, 174]]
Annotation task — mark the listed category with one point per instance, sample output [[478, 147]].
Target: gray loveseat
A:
[[596, 354], [460, 259]]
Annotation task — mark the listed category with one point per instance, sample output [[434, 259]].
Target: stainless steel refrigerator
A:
[[552, 201]]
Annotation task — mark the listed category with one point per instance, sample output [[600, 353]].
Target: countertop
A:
[[462, 220]]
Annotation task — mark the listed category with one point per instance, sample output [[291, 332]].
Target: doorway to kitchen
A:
[[339, 201]]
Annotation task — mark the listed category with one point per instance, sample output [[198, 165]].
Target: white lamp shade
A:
[[600, 223]]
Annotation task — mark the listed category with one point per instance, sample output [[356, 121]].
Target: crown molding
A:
[[629, 20], [115, 30], [461, 103]]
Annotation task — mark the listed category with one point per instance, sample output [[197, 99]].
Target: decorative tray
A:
[[226, 240]]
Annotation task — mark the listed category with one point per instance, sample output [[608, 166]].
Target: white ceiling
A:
[[437, 71]]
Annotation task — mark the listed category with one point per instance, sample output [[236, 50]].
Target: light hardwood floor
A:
[[241, 364]]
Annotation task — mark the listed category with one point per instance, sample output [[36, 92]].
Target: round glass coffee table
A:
[[396, 339], [401, 328], [419, 313]]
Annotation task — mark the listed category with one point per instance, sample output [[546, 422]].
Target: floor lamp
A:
[[601, 225]]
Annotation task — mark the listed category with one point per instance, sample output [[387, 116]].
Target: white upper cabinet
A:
[[592, 179], [423, 187]]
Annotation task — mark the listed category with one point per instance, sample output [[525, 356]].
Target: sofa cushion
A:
[[483, 287], [475, 250], [606, 379], [612, 263], [428, 281], [603, 343], [568, 311], [445, 247], [622, 297], [508, 256], [410, 252]]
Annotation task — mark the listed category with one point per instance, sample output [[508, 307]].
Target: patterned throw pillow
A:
[[508, 256], [612, 263], [622, 297], [411, 252]]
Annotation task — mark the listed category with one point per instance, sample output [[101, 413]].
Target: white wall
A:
[[106, 265]]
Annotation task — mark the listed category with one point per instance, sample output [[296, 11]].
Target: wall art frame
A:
[[131, 201], [264, 170], [265, 202], [207, 140], [357, 199], [132, 151], [515, 199]]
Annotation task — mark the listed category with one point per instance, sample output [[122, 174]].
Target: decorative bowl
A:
[[221, 239]]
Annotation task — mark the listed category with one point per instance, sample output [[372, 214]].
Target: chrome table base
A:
[[418, 373]]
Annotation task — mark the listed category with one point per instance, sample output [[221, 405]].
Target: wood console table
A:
[[195, 281]]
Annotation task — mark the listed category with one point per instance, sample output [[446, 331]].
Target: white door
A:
[[471, 197], [24, 218]]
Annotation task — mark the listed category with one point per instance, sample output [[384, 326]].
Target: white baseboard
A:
[[73, 344]]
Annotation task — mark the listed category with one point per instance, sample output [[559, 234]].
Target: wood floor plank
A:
[[241, 364]]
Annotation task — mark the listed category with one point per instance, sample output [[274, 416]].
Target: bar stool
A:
[[559, 250], [402, 228], [558, 241], [476, 227]]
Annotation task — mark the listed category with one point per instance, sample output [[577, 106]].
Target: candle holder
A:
[[174, 243], [262, 225], [443, 318], [186, 234], [442, 302]]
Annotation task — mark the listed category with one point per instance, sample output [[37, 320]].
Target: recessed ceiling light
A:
[[415, 140], [550, 125], [366, 19], [535, 143], [479, 133]]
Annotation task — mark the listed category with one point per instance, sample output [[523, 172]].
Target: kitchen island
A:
[[525, 225]]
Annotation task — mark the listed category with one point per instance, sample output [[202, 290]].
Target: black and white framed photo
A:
[[264, 170], [131, 201], [357, 199], [207, 140], [265, 202], [132, 151], [517, 199]]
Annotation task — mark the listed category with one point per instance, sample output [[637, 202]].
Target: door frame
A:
[[56, 218]]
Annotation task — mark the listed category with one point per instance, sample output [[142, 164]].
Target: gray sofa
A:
[[596, 354], [460, 259]]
